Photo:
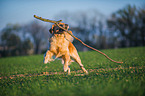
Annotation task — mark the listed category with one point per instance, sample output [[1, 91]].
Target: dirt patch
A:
[[60, 73]]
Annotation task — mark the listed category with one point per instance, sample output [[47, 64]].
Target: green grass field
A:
[[27, 75]]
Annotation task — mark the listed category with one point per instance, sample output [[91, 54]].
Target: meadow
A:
[[28, 76]]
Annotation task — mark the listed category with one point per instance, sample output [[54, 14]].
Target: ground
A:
[[27, 75]]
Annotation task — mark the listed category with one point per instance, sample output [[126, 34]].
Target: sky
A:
[[22, 11]]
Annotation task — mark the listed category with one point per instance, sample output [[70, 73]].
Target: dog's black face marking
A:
[[61, 25], [61, 30], [57, 30]]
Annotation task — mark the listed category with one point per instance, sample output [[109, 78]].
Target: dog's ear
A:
[[66, 26], [51, 30]]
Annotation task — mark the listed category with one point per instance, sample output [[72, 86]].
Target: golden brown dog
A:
[[61, 46]]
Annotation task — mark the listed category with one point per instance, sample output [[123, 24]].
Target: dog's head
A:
[[55, 29]]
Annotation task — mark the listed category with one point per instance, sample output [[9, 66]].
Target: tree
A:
[[13, 43], [39, 34], [129, 22], [27, 46], [141, 24]]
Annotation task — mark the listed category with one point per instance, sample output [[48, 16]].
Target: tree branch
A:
[[46, 20]]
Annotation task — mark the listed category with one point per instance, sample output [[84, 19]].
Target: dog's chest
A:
[[59, 41]]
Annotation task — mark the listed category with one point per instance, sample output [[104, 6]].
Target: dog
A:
[[61, 47]]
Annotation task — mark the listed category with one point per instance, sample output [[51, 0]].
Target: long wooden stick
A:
[[46, 20], [56, 22]]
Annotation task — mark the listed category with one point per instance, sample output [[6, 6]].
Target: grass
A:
[[105, 77]]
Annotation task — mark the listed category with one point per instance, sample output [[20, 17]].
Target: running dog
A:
[[61, 46]]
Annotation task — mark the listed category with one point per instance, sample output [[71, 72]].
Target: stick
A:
[[87, 45], [46, 20], [56, 22]]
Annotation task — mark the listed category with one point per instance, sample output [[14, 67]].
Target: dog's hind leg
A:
[[76, 57], [78, 60]]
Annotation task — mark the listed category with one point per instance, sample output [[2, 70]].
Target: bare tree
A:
[[39, 34], [12, 42], [130, 22]]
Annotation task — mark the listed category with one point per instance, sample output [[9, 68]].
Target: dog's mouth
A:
[[58, 30], [61, 30]]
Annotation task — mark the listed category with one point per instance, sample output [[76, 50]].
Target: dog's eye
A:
[[61, 25]]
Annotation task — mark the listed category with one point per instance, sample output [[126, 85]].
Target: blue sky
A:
[[22, 11]]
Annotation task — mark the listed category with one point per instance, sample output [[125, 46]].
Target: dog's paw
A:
[[65, 68], [46, 62], [51, 60]]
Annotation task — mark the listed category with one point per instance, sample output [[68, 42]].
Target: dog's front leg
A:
[[48, 57]]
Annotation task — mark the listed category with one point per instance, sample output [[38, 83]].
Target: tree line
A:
[[26, 39], [124, 28]]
